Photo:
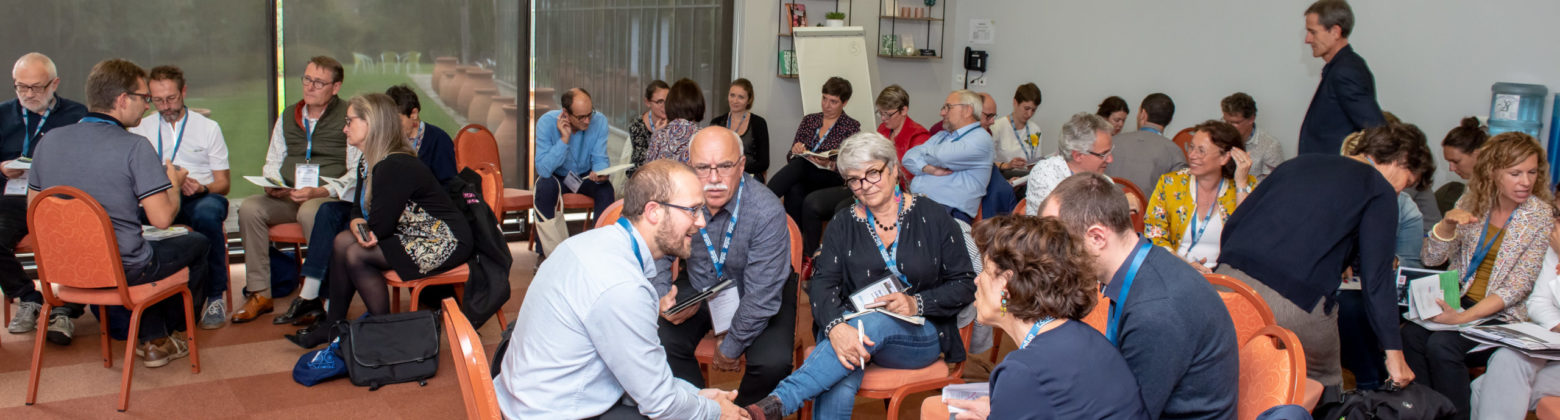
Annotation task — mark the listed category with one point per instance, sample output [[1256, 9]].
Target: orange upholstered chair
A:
[[78, 262], [610, 215], [492, 182], [897, 384], [1183, 138], [1247, 309], [933, 408], [705, 353], [471, 365], [1023, 204], [1137, 194], [1272, 372], [1548, 408]]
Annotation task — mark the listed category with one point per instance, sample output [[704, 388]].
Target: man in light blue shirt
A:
[[571, 145], [585, 341], [953, 167]]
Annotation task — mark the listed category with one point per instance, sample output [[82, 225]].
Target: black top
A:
[[400, 180], [1069, 372], [932, 254], [66, 112], [1177, 337], [1310, 218], [755, 143], [1345, 102]]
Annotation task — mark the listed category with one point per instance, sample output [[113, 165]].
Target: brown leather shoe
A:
[[158, 353], [254, 306]]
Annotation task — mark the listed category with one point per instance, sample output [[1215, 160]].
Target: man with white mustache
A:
[[746, 240]]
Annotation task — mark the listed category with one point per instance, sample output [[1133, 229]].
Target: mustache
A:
[[718, 186]]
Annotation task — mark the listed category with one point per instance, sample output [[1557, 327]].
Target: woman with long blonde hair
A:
[[1495, 239], [403, 220]]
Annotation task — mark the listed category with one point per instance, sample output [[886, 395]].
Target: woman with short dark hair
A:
[[685, 109], [820, 132], [1182, 208]]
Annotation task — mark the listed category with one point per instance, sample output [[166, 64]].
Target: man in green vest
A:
[[310, 157]]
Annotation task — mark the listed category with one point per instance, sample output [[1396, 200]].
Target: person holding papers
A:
[[819, 133], [1514, 382], [901, 248], [1495, 239], [745, 241], [1188, 207], [571, 146]]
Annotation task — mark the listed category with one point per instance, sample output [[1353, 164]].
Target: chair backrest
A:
[[796, 245], [1137, 193], [74, 242], [610, 214], [475, 145], [1272, 372], [1183, 138], [1100, 315], [1247, 309], [1023, 204], [471, 365], [492, 188]]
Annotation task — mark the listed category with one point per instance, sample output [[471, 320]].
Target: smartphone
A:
[[362, 232]]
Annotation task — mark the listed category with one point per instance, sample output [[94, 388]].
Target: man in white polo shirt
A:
[[193, 142]]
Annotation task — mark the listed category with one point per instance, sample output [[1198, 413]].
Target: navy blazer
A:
[[1345, 102]]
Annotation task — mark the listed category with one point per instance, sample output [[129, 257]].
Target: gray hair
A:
[[36, 58], [865, 148], [976, 103], [1079, 132]]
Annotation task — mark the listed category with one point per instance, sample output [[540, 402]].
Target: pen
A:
[[861, 337]]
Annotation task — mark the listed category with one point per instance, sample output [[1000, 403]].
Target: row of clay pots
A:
[[471, 91]]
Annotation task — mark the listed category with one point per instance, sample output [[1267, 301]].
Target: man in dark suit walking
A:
[[1345, 101]]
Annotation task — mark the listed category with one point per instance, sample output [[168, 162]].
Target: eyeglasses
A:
[[946, 107], [38, 88], [989, 115], [354, 117], [872, 176], [145, 97], [694, 212], [584, 119], [312, 83], [1105, 155], [885, 116], [723, 168], [1201, 151], [165, 101], [658, 102]]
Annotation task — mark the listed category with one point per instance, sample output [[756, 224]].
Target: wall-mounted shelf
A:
[[814, 13], [913, 57], [928, 19], [891, 27]]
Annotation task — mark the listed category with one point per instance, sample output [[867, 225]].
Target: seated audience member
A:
[[433, 145], [571, 143], [1461, 150], [1040, 286], [818, 133], [643, 127], [595, 289], [888, 235], [953, 167], [1168, 322], [752, 128], [986, 118], [1016, 152], [36, 110], [413, 227], [1496, 239], [1182, 208], [755, 254], [117, 97], [1240, 110], [685, 108], [1115, 110], [1513, 382], [202, 151], [1085, 146], [1323, 211], [1146, 154], [307, 144]]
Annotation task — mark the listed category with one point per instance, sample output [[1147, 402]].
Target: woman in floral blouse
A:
[[1182, 211], [685, 107]]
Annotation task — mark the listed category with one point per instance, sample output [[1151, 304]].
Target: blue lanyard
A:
[[1483, 249], [890, 256], [29, 135], [1113, 327], [1153, 130], [731, 225], [824, 136], [308, 130], [1023, 139], [178, 141], [733, 127], [634, 243], [961, 135], [1034, 331], [1198, 234]]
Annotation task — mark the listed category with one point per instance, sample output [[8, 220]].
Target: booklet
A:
[[267, 182], [700, 297], [1408, 274], [1522, 336], [152, 233], [969, 391], [611, 170], [863, 300], [22, 163]]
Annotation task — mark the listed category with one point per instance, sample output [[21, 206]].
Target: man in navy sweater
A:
[[1345, 100]]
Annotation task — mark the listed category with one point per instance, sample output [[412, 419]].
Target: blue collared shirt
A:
[[585, 152], [967, 152], [586, 334]]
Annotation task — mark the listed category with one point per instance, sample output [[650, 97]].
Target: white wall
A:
[[1434, 60]]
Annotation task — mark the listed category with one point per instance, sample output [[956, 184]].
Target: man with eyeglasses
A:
[[1085, 146], [1143, 155], [23, 123], [193, 142], [987, 116], [953, 168], [571, 145], [746, 241], [309, 154]]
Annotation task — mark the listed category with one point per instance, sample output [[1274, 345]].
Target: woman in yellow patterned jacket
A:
[[1182, 216]]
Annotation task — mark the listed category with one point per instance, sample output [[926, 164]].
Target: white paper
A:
[[1423, 293], [723, 307], [867, 295], [263, 182], [18, 185], [610, 170], [19, 163], [969, 391], [307, 176], [152, 233], [983, 31]]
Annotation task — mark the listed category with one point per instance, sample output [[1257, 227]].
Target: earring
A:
[[1004, 302]]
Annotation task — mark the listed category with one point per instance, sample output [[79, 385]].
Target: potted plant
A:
[[834, 19]]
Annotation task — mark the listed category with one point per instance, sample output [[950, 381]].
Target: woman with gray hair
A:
[[888, 239], [1085, 147]]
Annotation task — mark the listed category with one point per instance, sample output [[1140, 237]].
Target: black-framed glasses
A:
[[584, 118], [354, 117], [312, 83], [145, 97], [166, 100], [1105, 155], [722, 169], [871, 176], [885, 116], [694, 212], [989, 115], [38, 88]]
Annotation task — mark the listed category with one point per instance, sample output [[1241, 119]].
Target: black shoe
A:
[[301, 312], [766, 409], [310, 337]]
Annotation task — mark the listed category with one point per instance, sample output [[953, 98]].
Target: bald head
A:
[[716, 156], [988, 111], [37, 80], [715, 137]]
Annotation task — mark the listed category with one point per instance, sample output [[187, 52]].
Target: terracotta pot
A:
[[481, 100], [451, 90], [442, 67], [475, 79], [545, 96], [495, 113], [506, 135]]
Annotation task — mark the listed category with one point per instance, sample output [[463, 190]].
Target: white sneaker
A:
[[60, 329], [26, 319], [215, 314]]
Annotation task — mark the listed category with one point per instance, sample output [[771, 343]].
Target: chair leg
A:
[[37, 357], [131, 342], [395, 299], [416, 294], [108, 355], [189, 326]]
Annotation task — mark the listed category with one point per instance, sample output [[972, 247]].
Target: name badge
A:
[[18, 185], [572, 182], [308, 175]]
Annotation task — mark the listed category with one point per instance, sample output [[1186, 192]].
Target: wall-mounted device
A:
[[974, 60]]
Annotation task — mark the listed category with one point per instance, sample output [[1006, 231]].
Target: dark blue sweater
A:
[[13, 130], [438, 152], [1070, 372]]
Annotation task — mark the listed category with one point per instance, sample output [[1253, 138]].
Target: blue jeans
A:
[[329, 220], [204, 214], [900, 345]]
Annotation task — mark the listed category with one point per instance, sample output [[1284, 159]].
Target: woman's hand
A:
[[1242, 166], [848, 347], [898, 303], [371, 241], [1448, 225], [976, 409], [1198, 265], [1448, 315], [797, 148]]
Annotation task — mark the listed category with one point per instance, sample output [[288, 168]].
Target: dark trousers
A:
[[14, 281], [547, 194], [168, 257], [205, 214], [329, 220], [621, 411], [819, 208], [1441, 358], [1357, 342], [798, 179], [768, 357]]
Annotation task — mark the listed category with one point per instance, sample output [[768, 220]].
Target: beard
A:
[[672, 243]]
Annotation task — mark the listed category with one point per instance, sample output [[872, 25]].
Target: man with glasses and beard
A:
[[755, 317], [571, 145], [23, 122]]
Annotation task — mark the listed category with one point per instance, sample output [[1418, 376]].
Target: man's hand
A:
[[976, 409], [1198, 265], [278, 192], [728, 410], [848, 348], [898, 303], [593, 177], [308, 193], [1397, 369], [726, 364], [935, 171], [670, 300], [191, 186], [11, 173], [176, 175], [564, 128]]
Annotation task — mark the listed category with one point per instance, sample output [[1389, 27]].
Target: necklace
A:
[[885, 228]]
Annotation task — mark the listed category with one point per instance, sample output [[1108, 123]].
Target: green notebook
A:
[[1452, 288]]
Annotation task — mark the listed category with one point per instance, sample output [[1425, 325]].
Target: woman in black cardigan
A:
[[931, 264], [414, 228], [749, 126]]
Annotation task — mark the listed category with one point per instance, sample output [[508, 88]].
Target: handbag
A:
[[320, 365], [1412, 402], [390, 349], [551, 232]]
